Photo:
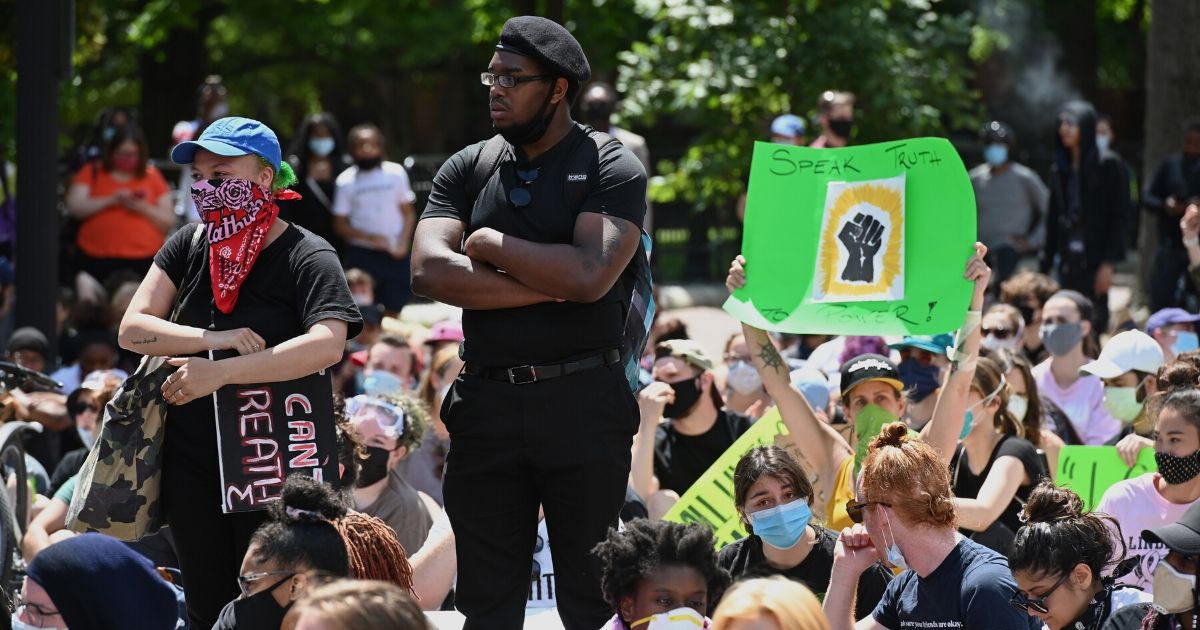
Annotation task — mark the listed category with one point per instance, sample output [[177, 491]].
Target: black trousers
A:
[[562, 443], [1170, 282], [210, 545]]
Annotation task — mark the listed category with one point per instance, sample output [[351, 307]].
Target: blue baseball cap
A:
[[789, 125], [813, 384], [930, 343], [1168, 316], [232, 137]]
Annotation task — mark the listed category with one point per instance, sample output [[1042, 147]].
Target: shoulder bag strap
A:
[[191, 273]]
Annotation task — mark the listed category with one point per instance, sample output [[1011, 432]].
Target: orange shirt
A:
[[117, 231]]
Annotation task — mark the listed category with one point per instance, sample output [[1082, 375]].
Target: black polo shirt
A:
[[550, 332]]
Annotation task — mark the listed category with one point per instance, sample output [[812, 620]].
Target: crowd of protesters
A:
[[914, 487]]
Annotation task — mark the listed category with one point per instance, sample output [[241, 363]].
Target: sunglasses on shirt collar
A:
[[521, 197]]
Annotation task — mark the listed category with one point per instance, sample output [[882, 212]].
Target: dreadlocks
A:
[[373, 550]]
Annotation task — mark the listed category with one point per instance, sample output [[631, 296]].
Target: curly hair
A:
[[300, 534], [627, 557], [1058, 535], [907, 473], [416, 418]]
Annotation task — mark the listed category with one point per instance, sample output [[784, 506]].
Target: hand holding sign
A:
[[862, 238]]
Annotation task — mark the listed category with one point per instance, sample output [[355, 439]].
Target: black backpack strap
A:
[[583, 165], [486, 163]]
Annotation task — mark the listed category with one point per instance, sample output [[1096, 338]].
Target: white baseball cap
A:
[[1130, 350]]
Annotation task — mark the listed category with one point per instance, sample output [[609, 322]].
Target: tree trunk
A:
[[1172, 74]]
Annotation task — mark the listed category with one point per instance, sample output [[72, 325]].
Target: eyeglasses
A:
[[509, 81], [855, 509], [521, 197], [1021, 601], [246, 582], [998, 333], [37, 613], [81, 407]]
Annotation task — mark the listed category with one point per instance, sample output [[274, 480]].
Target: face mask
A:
[[678, 619], [363, 299], [1018, 406], [321, 146], [969, 418], [531, 131], [919, 380], [841, 127], [744, 379], [1122, 403], [1060, 339], [995, 345], [995, 154], [125, 163], [894, 555], [1103, 142], [1176, 470], [368, 164], [85, 436], [381, 382], [1185, 341], [219, 111], [260, 610], [108, 133], [687, 393], [1172, 590], [782, 526], [237, 215], [867, 423], [17, 624], [374, 468]]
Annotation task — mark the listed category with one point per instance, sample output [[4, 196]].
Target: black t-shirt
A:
[[679, 459], [971, 588], [296, 282], [556, 331], [745, 559], [999, 536]]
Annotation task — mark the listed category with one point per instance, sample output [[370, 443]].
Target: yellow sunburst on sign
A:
[[861, 253]]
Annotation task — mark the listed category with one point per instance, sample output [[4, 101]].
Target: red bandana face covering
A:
[[237, 215]]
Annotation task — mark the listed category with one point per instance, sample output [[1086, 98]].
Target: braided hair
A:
[[373, 551], [627, 557]]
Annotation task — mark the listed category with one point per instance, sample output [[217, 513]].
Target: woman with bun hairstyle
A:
[[1058, 559], [309, 533], [907, 516], [1154, 499], [774, 500], [993, 469]]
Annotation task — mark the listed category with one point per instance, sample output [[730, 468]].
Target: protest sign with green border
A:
[[1090, 470], [857, 240]]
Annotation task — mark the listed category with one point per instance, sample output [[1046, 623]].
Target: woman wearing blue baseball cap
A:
[[272, 292]]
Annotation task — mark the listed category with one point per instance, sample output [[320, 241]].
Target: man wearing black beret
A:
[[542, 413]]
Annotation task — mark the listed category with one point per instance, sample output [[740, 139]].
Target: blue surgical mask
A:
[[995, 154], [894, 555], [1103, 142], [1185, 341], [107, 133], [86, 436], [380, 382], [321, 146], [783, 525], [969, 417]]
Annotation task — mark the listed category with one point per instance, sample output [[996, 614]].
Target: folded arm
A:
[[581, 271], [440, 272]]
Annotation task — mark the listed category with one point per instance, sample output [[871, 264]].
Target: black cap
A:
[[549, 43], [870, 367], [1182, 536], [29, 338]]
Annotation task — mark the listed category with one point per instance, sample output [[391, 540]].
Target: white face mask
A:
[[1173, 590], [894, 555], [678, 619], [85, 435], [17, 624], [1018, 406], [744, 379]]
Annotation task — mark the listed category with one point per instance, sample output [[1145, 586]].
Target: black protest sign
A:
[[268, 431]]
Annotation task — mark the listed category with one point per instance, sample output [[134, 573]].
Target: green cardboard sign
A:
[[871, 239], [1090, 470]]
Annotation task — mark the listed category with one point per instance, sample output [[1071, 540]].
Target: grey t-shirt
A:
[[1009, 203]]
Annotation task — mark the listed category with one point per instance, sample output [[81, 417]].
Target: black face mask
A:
[[1175, 469], [841, 127], [260, 610], [531, 131], [374, 467], [369, 163], [687, 393]]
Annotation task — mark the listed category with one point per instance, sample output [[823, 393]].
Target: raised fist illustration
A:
[[862, 238]]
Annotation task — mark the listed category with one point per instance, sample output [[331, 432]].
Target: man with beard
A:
[[543, 412], [1175, 185]]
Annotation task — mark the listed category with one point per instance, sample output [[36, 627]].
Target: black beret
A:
[[29, 338], [549, 43]]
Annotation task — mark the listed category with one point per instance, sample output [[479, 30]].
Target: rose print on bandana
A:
[[237, 215]]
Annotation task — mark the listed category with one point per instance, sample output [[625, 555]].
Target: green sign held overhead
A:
[[1090, 470], [858, 240]]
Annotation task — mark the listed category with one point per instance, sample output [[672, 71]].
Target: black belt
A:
[[526, 374]]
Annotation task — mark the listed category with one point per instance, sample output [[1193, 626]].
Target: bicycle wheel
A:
[[14, 506]]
